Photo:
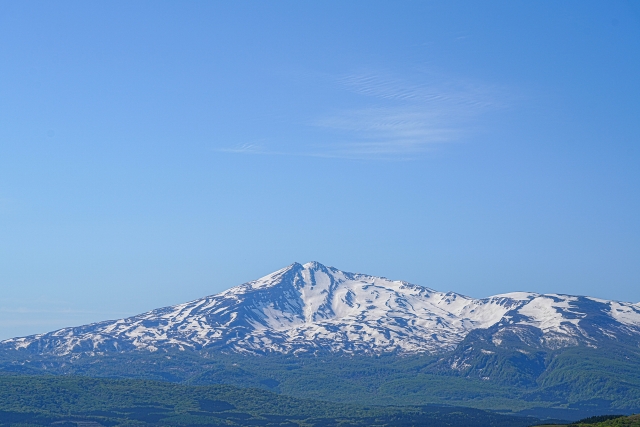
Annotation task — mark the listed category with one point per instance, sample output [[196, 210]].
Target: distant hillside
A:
[[577, 383], [39, 401]]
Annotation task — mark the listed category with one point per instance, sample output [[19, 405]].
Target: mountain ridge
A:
[[313, 308]]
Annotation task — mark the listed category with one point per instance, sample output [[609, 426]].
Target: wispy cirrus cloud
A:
[[244, 149], [431, 90], [391, 117], [403, 119], [387, 131]]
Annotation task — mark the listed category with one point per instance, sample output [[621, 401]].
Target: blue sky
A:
[[156, 152]]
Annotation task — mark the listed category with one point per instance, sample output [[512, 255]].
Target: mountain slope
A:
[[310, 308]]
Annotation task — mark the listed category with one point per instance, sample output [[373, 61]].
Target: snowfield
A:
[[310, 307]]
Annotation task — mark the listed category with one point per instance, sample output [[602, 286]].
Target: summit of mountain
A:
[[310, 308]]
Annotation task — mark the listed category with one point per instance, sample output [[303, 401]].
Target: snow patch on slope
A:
[[312, 307]]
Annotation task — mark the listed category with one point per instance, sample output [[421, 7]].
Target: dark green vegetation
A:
[[60, 401], [571, 383], [603, 421], [616, 421], [596, 419]]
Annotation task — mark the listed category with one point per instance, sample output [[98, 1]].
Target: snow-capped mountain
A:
[[310, 307]]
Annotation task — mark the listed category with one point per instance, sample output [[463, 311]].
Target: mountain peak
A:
[[310, 307], [314, 265]]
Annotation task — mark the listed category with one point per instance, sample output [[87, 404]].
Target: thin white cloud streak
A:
[[409, 118], [243, 149], [398, 119], [388, 131], [437, 91]]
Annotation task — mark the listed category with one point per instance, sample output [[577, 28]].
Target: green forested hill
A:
[[573, 383], [59, 400]]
